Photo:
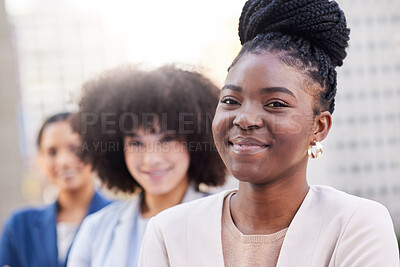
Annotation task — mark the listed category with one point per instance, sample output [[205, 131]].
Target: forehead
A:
[[257, 71], [58, 133]]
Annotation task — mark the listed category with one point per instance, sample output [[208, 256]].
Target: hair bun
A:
[[321, 22]]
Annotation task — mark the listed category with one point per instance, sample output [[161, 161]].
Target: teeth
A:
[[67, 173], [159, 173]]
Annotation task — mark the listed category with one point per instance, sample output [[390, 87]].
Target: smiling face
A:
[[157, 161], [58, 157], [264, 121]]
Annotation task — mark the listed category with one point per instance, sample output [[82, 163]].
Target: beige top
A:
[[330, 229], [248, 250]]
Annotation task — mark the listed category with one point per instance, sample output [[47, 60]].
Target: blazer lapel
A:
[[47, 235], [121, 244], [207, 231], [97, 203], [303, 232]]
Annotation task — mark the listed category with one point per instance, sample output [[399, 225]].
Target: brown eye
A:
[[52, 152], [135, 143], [167, 138], [229, 101], [276, 104]]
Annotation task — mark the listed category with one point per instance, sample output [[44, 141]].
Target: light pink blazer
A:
[[331, 228]]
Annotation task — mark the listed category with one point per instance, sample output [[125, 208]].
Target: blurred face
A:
[[158, 162], [58, 157], [262, 126]]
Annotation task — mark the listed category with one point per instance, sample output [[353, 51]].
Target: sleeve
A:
[[153, 252], [5, 248], [8, 247], [81, 250], [368, 239]]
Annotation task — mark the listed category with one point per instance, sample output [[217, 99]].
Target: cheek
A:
[[132, 161], [221, 124], [180, 155], [291, 125], [292, 132], [47, 166], [86, 170]]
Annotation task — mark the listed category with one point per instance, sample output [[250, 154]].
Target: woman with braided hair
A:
[[275, 108]]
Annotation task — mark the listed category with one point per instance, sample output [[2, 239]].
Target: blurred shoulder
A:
[[28, 216], [111, 213]]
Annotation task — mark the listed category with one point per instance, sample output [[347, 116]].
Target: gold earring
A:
[[319, 149]]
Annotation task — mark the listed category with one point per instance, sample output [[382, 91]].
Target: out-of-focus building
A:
[[362, 150], [10, 156], [59, 47]]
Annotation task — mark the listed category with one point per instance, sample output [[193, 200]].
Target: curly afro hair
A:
[[122, 100], [312, 34]]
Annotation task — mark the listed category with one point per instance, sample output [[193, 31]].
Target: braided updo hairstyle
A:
[[312, 34]]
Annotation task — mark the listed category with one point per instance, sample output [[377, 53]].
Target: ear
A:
[[321, 127]]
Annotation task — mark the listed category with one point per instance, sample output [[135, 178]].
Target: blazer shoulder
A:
[[340, 202], [109, 214], [28, 215]]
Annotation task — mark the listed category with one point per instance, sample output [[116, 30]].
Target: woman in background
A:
[[43, 237], [147, 132], [274, 111]]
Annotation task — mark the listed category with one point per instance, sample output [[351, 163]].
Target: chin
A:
[[242, 176], [158, 191]]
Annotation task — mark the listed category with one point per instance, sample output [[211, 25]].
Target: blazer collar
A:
[[46, 232], [302, 235], [97, 203], [298, 245], [125, 225], [120, 247], [46, 229], [49, 215], [207, 219]]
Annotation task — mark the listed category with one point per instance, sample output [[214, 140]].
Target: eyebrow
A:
[[264, 90], [232, 87], [278, 89]]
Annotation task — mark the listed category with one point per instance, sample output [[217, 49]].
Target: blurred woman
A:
[[43, 236], [147, 132]]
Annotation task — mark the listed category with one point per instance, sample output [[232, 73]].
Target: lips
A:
[[67, 174], [247, 145], [157, 174]]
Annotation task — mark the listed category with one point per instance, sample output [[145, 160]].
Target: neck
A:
[[266, 209], [155, 203], [73, 205]]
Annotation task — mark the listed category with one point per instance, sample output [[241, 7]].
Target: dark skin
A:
[[263, 127]]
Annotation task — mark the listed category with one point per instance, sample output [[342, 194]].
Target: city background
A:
[[49, 48]]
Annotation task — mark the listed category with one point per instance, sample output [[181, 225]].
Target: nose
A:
[[65, 158], [248, 118], [152, 156]]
